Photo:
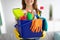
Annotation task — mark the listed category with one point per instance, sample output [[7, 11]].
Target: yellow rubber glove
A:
[[44, 34], [16, 34]]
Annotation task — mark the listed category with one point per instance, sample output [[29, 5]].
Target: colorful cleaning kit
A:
[[27, 25]]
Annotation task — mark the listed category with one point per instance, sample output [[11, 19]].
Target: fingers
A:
[[32, 29], [35, 29], [38, 29]]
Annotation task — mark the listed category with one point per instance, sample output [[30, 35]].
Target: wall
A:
[[53, 25], [2, 27]]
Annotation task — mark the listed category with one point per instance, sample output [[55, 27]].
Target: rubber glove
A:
[[44, 34], [36, 25]]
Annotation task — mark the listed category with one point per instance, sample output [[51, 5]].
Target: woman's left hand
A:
[[44, 34]]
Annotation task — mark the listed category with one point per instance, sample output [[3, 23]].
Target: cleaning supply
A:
[[44, 34], [16, 34], [23, 18], [37, 15], [45, 24], [36, 25], [18, 12], [25, 31], [29, 16]]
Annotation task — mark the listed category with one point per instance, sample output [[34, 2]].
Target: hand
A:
[[44, 34], [16, 33]]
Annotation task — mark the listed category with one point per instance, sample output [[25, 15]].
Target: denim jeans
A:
[[36, 38]]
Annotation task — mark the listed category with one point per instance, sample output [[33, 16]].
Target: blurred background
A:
[[50, 11]]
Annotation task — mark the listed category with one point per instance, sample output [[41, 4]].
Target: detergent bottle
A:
[[23, 18], [29, 16]]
